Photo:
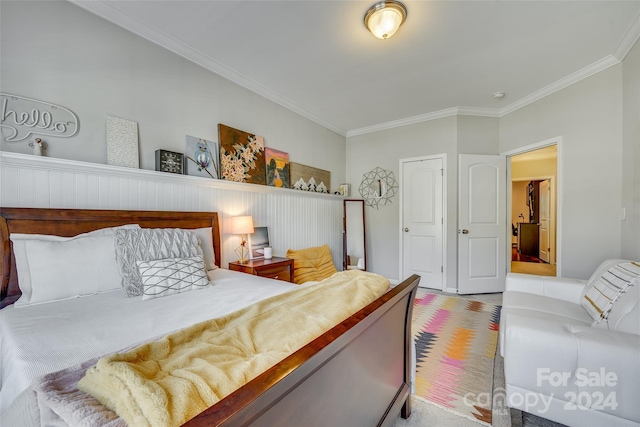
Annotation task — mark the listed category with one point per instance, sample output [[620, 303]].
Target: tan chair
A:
[[312, 264]]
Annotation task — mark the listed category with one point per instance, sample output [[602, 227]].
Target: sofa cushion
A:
[[601, 294], [544, 307], [311, 264]]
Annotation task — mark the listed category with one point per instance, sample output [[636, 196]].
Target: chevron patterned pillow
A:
[[165, 277], [149, 244]]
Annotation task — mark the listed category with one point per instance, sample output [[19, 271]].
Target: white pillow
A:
[[206, 242], [22, 260], [73, 268], [165, 277]]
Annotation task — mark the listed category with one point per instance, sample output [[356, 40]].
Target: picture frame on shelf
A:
[[258, 240], [201, 157], [169, 161], [345, 190]]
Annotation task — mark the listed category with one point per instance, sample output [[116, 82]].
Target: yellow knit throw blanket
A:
[[168, 382]]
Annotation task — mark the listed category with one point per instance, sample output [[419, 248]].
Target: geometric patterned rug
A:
[[456, 342]]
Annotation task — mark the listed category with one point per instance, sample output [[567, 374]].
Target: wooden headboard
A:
[[71, 222]]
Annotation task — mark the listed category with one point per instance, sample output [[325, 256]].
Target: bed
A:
[[356, 373]]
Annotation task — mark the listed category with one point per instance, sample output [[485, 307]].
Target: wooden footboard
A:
[[356, 374]]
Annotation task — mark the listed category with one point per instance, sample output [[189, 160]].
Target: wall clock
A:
[[169, 161]]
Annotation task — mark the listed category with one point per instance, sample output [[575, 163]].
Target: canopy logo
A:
[[22, 117]]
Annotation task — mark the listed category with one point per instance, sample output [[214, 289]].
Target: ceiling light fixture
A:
[[498, 95], [384, 18]]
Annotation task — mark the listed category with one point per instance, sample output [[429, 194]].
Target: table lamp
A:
[[242, 225]]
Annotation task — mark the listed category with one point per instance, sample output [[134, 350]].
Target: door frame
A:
[[443, 157], [559, 193]]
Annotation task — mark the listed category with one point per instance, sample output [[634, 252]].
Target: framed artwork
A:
[[258, 241], [201, 157], [169, 161], [307, 178], [241, 156], [278, 174], [122, 142]]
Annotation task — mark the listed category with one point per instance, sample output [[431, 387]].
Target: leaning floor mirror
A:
[[354, 254]]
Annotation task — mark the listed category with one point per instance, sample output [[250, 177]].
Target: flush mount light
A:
[[384, 18]]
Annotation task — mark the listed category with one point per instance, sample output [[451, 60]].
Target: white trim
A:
[[559, 193], [567, 81], [630, 38], [442, 157], [111, 14], [404, 122]]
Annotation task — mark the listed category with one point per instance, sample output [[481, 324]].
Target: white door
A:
[[422, 221], [482, 224], [545, 212]]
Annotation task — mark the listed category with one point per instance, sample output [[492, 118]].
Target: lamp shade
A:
[[384, 18], [242, 225]]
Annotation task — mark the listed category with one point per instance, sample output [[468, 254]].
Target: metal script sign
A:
[[22, 117]]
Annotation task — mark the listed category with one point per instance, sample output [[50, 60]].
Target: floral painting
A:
[[202, 157], [241, 156], [277, 168]]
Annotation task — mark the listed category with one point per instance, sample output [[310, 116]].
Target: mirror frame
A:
[[345, 233]]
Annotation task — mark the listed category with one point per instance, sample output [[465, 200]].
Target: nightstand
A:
[[274, 268]]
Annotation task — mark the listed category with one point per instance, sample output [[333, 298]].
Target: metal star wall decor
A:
[[378, 188]]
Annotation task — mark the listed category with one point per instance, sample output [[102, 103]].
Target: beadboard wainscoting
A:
[[296, 219]]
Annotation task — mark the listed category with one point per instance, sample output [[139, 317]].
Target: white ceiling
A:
[[318, 59]]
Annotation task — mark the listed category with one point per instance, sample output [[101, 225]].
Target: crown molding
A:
[[582, 74], [105, 11], [629, 39], [404, 122]]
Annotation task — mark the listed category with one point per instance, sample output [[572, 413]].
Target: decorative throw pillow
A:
[[23, 258], [612, 284], [147, 244], [171, 276], [312, 264]]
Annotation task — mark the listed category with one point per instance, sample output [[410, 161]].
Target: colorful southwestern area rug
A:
[[456, 341]]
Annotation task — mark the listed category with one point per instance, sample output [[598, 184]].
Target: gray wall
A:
[[57, 52], [451, 136], [598, 166], [630, 229], [385, 149], [587, 115]]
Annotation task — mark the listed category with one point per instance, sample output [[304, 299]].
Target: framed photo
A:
[[257, 242], [201, 157], [169, 161]]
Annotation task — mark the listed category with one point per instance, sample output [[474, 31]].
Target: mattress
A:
[[45, 338]]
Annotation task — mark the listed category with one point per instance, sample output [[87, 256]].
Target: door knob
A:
[[406, 230], [465, 231]]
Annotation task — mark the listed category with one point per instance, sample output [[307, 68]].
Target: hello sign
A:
[[22, 117]]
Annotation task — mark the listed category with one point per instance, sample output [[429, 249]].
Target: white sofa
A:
[[559, 364]]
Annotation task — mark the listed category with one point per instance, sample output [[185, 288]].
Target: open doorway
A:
[[534, 177]]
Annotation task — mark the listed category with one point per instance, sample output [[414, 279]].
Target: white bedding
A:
[[45, 338]]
